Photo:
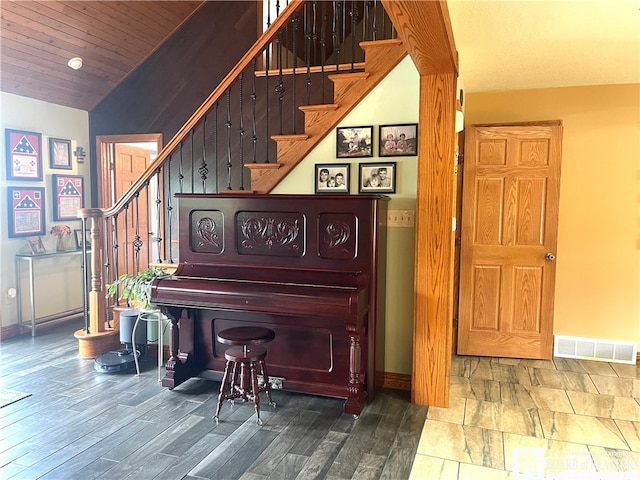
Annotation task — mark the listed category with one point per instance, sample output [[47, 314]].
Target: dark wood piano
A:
[[310, 267]]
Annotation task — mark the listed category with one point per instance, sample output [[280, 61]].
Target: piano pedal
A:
[[276, 382]]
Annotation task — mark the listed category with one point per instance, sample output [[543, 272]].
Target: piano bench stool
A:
[[246, 335], [245, 360]]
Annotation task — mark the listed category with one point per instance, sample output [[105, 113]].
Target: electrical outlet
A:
[[11, 295], [400, 218]]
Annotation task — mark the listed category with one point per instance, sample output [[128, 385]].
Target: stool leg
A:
[[256, 391], [245, 380], [222, 395], [267, 384], [233, 385]]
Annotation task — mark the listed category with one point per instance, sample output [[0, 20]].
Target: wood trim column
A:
[[434, 242]]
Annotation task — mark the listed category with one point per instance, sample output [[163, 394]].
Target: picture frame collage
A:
[[26, 204], [358, 142]]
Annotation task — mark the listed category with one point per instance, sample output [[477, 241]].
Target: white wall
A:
[[57, 283], [393, 101]]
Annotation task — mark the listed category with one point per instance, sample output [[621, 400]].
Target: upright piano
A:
[[310, 267]]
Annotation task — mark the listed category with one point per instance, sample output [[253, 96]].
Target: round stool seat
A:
[[239, 355], [245, 335]]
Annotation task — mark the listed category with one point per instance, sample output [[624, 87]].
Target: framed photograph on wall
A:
[[332, 178], [60, 153], [80, 239], [377, 177], [26, 211], [396, 140], [68, 196], [354, 142], [24, 155]]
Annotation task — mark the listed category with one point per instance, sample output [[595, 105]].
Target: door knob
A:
[[550, 256]]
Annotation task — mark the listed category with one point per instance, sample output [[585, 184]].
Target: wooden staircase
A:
[[425, 33], [381, 57]]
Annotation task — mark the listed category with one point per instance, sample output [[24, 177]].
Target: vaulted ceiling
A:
[[38, 38], [502, 45]]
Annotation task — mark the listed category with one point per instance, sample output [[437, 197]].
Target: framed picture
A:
[[354, 142], [24, 155], [398, 140], [68, 196], [36, 246], [77, 234], [60, 153], [377, 178], [332, 178], [26, 211]]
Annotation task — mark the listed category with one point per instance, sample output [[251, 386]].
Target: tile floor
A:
[[534, 419]]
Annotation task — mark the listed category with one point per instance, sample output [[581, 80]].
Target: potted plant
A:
[[135, 288]]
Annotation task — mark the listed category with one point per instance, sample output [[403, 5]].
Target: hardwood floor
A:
[[82, 424]]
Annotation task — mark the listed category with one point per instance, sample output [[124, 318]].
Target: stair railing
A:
[[286, 68]]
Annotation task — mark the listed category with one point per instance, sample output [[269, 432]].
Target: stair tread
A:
[[321, 107]]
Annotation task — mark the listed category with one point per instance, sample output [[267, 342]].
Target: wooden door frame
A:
[[104, 155]]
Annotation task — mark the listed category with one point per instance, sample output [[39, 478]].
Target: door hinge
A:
[[455, 323]]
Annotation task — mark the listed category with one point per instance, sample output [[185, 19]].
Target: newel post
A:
[[97, 298], [95, 339]]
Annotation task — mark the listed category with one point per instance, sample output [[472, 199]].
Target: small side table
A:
[[31, 260], [152, 315]]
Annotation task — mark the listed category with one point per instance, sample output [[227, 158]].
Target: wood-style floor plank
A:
[[81, 424]]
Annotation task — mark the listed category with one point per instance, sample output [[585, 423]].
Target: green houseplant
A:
[[135, 288]]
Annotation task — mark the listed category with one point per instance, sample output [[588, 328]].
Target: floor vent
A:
[[595, 349]]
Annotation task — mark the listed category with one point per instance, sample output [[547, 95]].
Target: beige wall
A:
[[57, 281], [598, 259], [393, 101]]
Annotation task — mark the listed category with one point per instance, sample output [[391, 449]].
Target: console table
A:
[[32, 261]]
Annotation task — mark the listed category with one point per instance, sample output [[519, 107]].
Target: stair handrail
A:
[[260, 44], [93, 219], [98, 221]]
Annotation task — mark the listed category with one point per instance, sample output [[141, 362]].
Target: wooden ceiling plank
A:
[[70, 85], [37, 38], [46, 67], [115, 24], [111, 65], [96, 27], [54, 29], [153, 16], [41, 89]]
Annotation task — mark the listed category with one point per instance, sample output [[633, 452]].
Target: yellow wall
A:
[[57, 280], [393, 101], [598, 260]]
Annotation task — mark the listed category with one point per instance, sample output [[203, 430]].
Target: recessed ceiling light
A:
[[75, 63]]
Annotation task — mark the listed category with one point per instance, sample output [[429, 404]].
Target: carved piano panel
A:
[[309, 267]]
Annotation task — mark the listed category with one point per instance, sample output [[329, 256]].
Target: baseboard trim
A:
[[396, 381], [9, 331]]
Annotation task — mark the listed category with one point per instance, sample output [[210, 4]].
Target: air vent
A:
[[595, 349]]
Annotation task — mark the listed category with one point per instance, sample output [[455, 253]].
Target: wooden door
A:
[[130, 163], [509, 237]]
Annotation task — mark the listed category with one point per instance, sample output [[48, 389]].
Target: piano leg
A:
[[180, 366], [357, 396]]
